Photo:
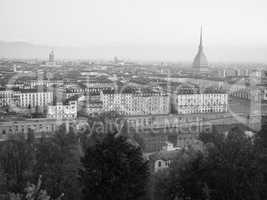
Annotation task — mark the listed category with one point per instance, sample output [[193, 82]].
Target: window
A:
[[159, 164]]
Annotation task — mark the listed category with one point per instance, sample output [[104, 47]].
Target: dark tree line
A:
[[233, 167], [56, 159], [109, 168], [114, 169]]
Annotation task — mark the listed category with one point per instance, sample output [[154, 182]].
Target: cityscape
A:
[[122, 128]]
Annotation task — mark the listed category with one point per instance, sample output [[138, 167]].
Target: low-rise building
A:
[[24, 126], [13, 126], [162, 160], [62, 111]]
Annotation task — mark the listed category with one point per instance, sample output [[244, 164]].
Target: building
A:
[[51, 61], [200, 61], [7, 97], [135, 102], [211, 100], [38, 126], [34, 98], [94, 106], [24, 126], [180, 123], [62, 111], [42, 82], [162, 160], [51, 57]]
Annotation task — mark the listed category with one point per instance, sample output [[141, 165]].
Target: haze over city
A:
[[138, 30]]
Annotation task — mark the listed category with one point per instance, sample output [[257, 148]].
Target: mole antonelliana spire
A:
[[200, 60]]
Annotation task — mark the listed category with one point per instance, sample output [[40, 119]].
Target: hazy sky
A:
[[139, 22]]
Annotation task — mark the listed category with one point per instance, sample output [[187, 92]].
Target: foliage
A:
[[57, 159], [33, 192], [261, 149], [99, 125], [17, 158], [114, 169], [229, 169]]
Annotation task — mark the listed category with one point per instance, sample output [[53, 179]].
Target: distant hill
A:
[[163, 53], [22, 50]]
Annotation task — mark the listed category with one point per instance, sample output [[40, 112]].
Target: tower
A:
[[51, 56], [200, 60]]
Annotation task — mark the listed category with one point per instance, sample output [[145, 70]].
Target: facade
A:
[[33, 98], [94, 107], [136, 102], [240, 91], [39, 127], [162, 160], [46, 83], [90, 91], [178, 122], [7, 98], [61, 111], [201, 103], [22, 126]]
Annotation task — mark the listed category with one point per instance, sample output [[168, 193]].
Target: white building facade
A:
[[201, 103], [60, 111], [34, 98], [136, 103], [7, 97]]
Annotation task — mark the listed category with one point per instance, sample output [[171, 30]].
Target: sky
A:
[[226, 23]]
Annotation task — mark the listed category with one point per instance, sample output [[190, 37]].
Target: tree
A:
[[99, 124], [33, 192], [229, 169], [57, 159], [261, 149], [16, 161], [261, 137], [160, 185], [113, 169], [106, 122], [233, 170]]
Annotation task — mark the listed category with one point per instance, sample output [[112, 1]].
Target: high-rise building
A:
[[200, 61]]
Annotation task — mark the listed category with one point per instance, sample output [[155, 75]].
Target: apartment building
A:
[[62, 111], [211, 100], [32, 98], [135, 102], [7, 97]]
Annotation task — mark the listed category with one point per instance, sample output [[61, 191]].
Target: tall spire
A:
[[200, 43], [200, 59]]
